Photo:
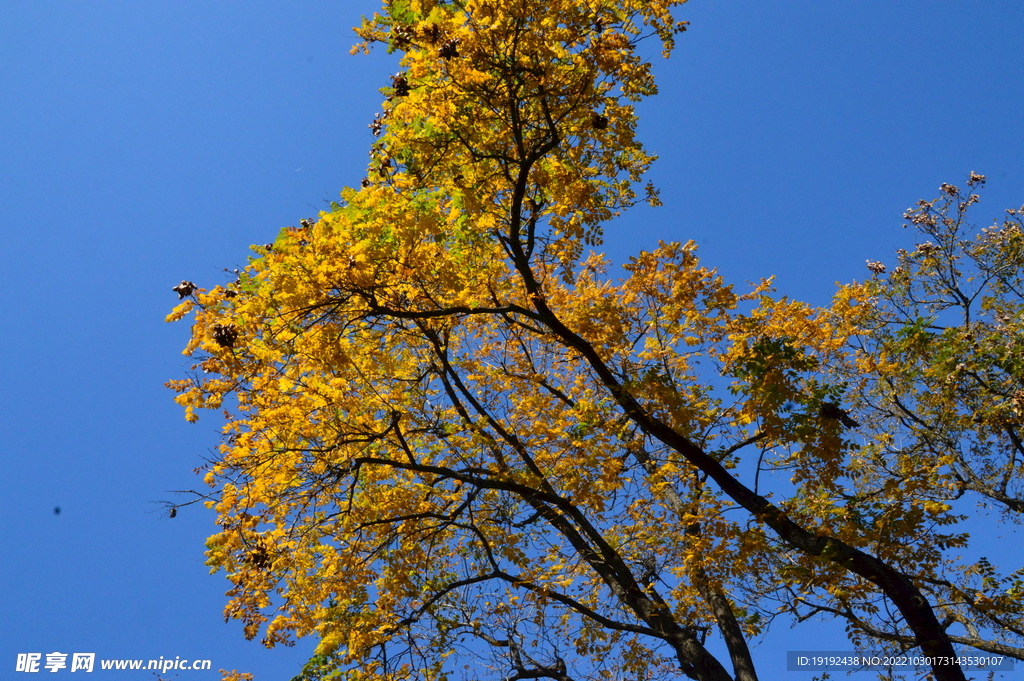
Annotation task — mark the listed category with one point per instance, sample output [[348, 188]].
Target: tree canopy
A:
[[459, 445]]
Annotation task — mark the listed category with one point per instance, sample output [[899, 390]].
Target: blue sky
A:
[[143, 143]]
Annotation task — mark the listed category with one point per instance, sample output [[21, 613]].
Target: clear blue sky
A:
[[146, 142]]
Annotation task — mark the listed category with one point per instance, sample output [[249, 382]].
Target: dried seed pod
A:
[[432, 34], [377, 125], [831, 410], [449, 49], [402, 36], [184, 289], [259, 557], [599, 121], [400, 85], [225, 335], [364, 183]]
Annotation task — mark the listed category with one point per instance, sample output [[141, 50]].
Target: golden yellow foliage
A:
[[447, 423]]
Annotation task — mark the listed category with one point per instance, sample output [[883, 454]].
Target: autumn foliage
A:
[[460, 444]]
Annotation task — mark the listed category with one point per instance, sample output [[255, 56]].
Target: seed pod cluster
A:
[[377, 125], [184, 289], [400, 85], [225, 335], [449, 49]]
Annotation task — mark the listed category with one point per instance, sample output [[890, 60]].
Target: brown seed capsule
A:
[[225, 335], [432, 33], [831, 410], [599, 121], [876, 267], [400, 85], [259, 557], [377, 125], [184, 289], [402, 36], [449, 49]]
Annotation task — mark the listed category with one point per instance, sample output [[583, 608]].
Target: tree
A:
[[454, 439], [938, 377]]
